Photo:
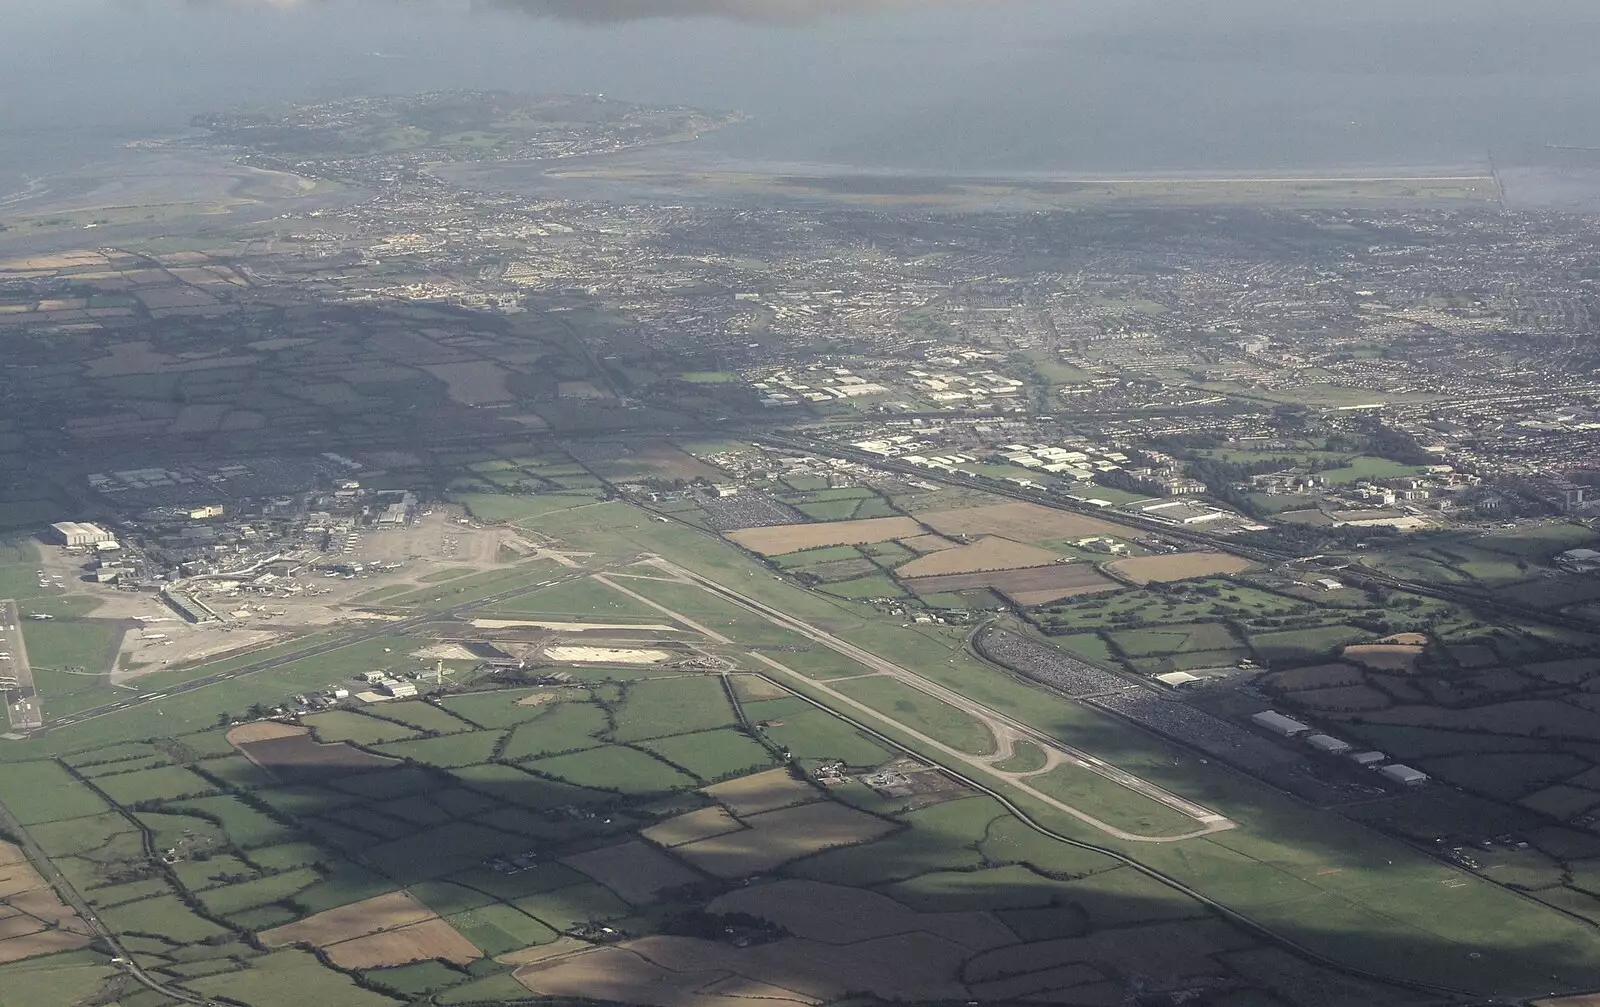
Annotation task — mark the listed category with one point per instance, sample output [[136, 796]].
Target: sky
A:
[[959, 85]]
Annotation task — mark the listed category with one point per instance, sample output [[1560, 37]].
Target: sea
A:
[[946, 86]]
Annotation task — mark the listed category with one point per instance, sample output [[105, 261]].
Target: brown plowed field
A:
[[928, 543], [288, 754], [10, 854], [418, 942], [346, 923], [1180, 566], [18, 878], [785, 538], [1036, 586], [633, 870], [778, 837], [1385, 656], [1026, 522], [34, 945], [768, 791], [992, 553], [262, 730], [694, 825]]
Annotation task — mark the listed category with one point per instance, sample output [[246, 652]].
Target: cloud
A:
[[777, 11]]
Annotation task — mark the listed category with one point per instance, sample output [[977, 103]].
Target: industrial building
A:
[[398, 689], [75, 533], [1404, 775], [1368, 760], [1280, 725], [1328, 743]]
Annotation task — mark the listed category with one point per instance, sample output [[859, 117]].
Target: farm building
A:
[[1404, 775], [1579, 560], [74, 533], [397, 689], [1278, 724], [1369, 760], [1328, 743]]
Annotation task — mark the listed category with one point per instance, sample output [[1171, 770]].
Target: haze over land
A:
[[962, 85], [799, 503]]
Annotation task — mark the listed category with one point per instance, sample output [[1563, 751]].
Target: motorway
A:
[[23, 708], [103, 933]]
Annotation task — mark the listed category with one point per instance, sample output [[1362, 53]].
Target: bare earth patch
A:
[[786, 538], [767, 791], [263, 730], [1385, 656], [992, 553], [1182, 566], [636, 872], [605, 655], [572, 627]]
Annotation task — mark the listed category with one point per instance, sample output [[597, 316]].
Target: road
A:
[[1005, 730], [291, 657], [70, 895], [16, 675]]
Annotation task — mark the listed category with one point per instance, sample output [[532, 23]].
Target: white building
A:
[[399, 690], [1404, 775], [1328, 743], [74, 533], [1280, 725]]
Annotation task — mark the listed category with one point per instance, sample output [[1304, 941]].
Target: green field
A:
[[613, 767], [661, 707], [713, 755], [346, 725], [630, 747], [919, 711], [560, 728], [1173, 639], [448, 751]]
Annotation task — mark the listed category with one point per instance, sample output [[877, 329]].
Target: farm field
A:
[[515, 814], [1181, 566], [781, 539], [1029, 587], [989, 553], [1021, 522]]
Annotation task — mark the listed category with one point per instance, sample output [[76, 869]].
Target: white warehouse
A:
[[1328, 743], [1280, 725], [74, 533], [1404, 775]]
